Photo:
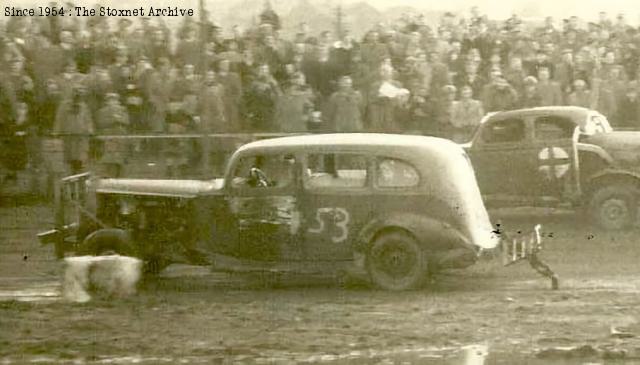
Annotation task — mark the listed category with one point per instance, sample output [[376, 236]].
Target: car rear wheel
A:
[[108, 241], [397, 262], [111, 241], [614, 207]]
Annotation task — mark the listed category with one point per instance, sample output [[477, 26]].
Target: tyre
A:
[[614, 207], [397, 262]]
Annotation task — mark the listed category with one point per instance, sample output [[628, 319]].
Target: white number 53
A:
[[339, 218]]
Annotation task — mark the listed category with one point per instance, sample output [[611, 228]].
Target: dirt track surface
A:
[[193, 316]]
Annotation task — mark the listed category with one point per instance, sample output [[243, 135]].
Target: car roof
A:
[[569, 111], [365, 142]]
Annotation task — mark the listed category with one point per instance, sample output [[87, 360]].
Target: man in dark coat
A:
[[499, 96], [74, 124], [260, 99], [345, 108], [113, 119], [232, 94]]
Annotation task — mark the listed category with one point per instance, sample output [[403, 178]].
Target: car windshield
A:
[[596, 124]]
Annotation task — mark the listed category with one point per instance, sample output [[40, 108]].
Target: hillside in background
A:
[[318, 14]]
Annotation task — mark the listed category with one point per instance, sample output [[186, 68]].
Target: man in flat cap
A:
[[530, 97]]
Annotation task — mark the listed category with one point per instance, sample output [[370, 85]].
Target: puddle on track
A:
[[28, 291]]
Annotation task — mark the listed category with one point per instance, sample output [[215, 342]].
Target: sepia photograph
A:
[[319, 182]]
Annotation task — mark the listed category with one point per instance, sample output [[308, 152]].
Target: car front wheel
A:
[[397, 262], [615, 207]]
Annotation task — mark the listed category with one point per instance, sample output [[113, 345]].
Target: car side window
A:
[[553, 127], [394, 173], [506, 130], [335, 170], [264, 171]]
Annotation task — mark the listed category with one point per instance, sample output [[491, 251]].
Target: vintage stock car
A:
[[395, 207], [559, 156]]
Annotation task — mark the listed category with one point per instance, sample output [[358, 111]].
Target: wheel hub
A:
[[615, 210], [395, 261]]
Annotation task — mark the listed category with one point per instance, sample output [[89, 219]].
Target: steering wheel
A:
[[257, 178]]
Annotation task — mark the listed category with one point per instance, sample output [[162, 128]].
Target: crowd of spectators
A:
[[112, 76]]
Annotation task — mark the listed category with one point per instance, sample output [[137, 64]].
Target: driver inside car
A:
[[265, 171]]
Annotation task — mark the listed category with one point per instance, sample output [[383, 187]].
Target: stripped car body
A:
[[558, 156], [308, 204]]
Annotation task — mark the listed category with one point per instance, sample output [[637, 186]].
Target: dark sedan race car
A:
[[395, 207], [559, 156]]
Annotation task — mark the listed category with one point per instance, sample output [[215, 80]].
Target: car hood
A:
[[624, 147], [172, 188]]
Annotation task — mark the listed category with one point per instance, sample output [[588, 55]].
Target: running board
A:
[[225, 263]]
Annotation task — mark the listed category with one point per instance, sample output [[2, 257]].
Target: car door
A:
[[336, 198], [503, 160], [263, 201], [553, 141]]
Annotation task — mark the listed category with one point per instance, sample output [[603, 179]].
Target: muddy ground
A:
[[193, 316]]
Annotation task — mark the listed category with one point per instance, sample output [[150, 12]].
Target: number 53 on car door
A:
[[326, 218]]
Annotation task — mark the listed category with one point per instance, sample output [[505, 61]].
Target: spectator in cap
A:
[[604, 21], [123, 30], [259, 101], [293, 108], [565, 70], [628, 110], [73, 123], [372, 51], [515, 74], [345, 108], [211, 105], [549, 91], [113, 119], [70, 80], [10, 157], [465, 115], [188, 49], [530, 96], [159, 89], [500, 96], [542, 61], [386, 98], [439, 72], [472, 78], [444, 110], [232, 96], [581, 96], [609, 92], [212, 119]]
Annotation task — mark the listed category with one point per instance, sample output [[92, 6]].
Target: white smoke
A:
[[111, 276]]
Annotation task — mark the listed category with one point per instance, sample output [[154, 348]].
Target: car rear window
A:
[[336, 170], [394, 173]]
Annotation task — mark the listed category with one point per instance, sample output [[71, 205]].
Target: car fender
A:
[[113, 239], [597, 150], [609, 176], [432, 233]]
